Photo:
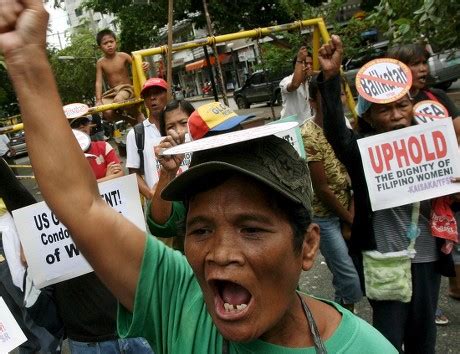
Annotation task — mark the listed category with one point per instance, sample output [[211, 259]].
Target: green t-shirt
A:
[[169, 311], [169, 228]]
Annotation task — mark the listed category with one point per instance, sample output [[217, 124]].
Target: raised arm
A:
[[299, 70], [111, 244], [337, 133], [160, 209]]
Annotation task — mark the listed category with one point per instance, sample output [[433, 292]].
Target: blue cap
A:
[[362, 106]]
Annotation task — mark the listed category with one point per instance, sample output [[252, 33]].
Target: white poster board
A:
[[411, 164], [11, 335], [293, 135], [48, 246]]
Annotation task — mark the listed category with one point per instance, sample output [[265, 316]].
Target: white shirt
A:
[[4, 144], [12, 249], [152, 138], [295, 102]]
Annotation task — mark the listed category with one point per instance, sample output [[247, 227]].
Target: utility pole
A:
[[170, 42], [216, 55]]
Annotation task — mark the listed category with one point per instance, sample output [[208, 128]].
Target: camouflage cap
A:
[[270, 160]]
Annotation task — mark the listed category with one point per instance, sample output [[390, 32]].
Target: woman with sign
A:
[[162, 215], [415, 56], [431, 103], [406, 315]]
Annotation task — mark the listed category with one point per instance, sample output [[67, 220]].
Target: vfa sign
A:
[[428, 111]]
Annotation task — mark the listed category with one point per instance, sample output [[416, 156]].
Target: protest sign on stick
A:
[[428, 111], [51, 254], [411, 164], [11, 335], [383, 80]]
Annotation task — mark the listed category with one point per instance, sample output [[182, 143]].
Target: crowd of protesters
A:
[[230, 228]]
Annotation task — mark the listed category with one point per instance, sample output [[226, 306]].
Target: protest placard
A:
[[11, 335], [229, 138], [411, 164], [75, 110], [48, 246], [428, 111], [383, 80], [292, 135]]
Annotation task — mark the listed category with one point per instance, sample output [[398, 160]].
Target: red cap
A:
[[152, 82]]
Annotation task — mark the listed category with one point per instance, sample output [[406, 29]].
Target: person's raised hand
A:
[[145, 66], [170, 163], [330, 57], [22, 23], [302, 54]]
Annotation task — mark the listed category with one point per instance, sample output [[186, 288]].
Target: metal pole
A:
[[235, 68], [216, 55], [211, 74], [170, 42]]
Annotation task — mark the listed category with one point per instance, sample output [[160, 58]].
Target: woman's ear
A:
[[310, 246]]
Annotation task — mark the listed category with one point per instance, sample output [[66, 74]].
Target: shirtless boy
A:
[[114, 66]]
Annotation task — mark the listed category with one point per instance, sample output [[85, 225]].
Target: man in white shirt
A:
[[6, 151], [154, 93], [294, 88]]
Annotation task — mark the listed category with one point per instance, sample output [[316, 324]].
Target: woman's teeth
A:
[[234, 308]]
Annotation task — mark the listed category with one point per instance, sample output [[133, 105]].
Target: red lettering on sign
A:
[[387, 155], [413, 144], [378, 168], [440, 144], [401, 152], [405, 152]]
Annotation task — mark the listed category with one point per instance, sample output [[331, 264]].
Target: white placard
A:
[[411, 164], [293, 135], [230, 138], [49, 249], [83, 139], [11, 335], [75, 110]]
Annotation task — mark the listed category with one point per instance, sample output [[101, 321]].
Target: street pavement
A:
[[318, 281]]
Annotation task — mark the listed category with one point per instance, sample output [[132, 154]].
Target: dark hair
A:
[[408, 53], [363, 127], [172, 105], [13, 193], [298, 217], [104, 32], [78, 122]]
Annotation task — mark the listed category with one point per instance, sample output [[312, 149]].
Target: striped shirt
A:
[[390, 227]]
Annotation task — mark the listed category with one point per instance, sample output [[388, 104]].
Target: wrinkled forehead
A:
[[403, 100]]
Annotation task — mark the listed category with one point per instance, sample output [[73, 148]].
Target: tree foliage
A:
[[140, 22], [76, 77], [409, 21], [8, 101]]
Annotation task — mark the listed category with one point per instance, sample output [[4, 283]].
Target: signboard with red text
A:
[[411, 164]]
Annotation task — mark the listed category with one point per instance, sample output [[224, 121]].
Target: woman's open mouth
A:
[[231, 300]]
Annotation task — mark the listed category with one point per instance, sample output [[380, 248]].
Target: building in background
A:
[[70, 16]]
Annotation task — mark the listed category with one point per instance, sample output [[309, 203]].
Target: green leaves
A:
[[75, 68], [409, 21]]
